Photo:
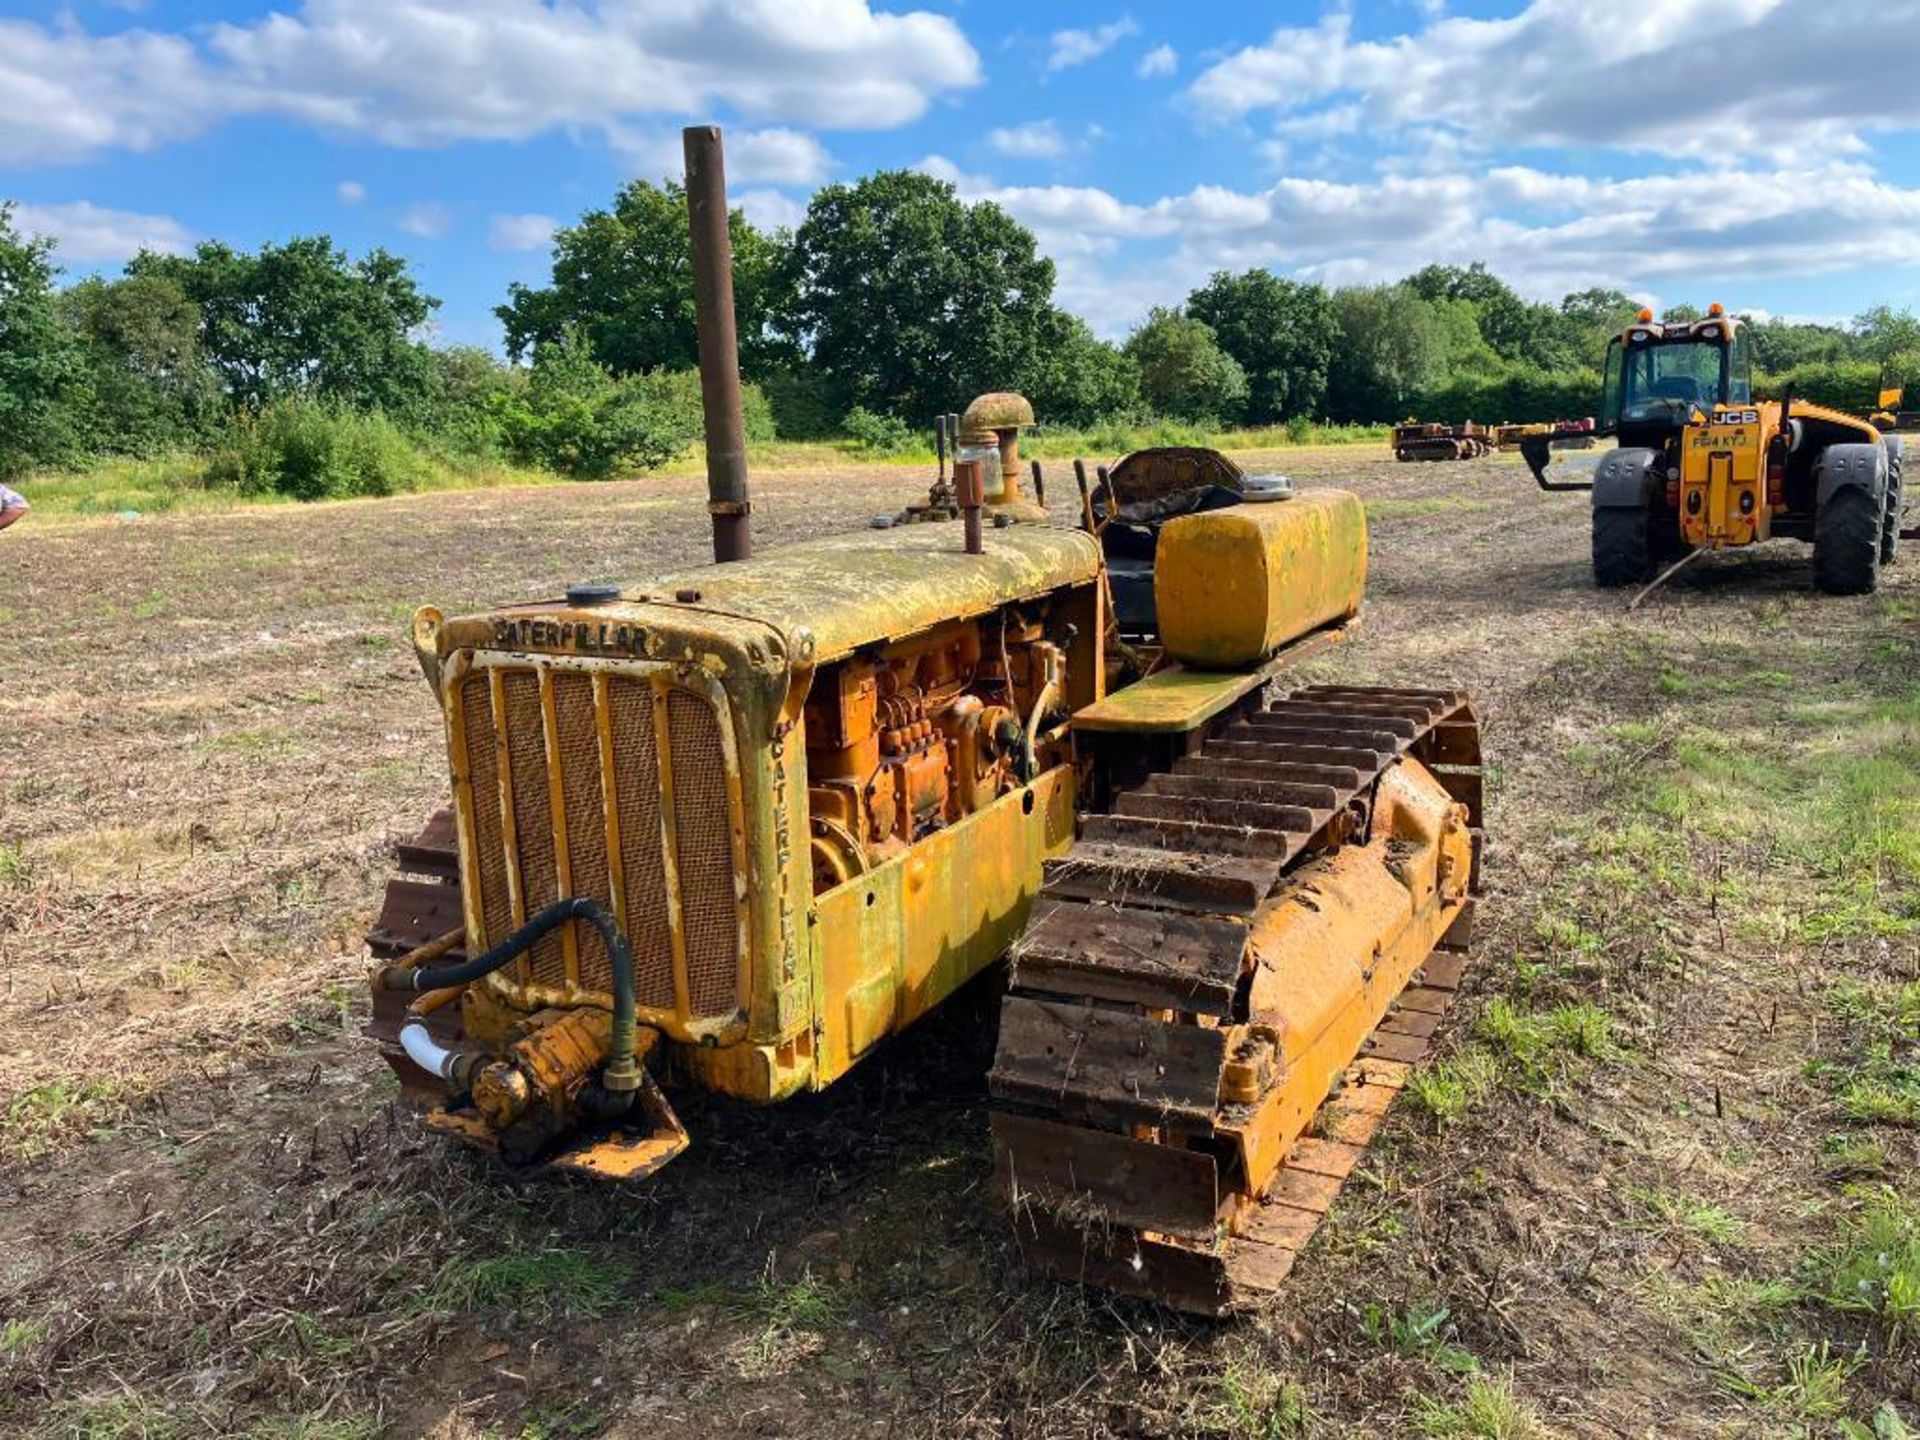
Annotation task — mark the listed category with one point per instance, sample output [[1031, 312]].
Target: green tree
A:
[[1782, 345], [1463, 348], [43, 369], [153, 389], [1596, 315], [1393, 347], [457, 411], [1890, 338], [1501, 313], [911, 300], [1517, 329], [623, 277], [575, 416], [304, 318], [1183, 371], [1282, 334], [1076, 378]]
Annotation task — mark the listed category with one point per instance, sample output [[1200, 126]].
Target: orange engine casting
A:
[[914, 735]]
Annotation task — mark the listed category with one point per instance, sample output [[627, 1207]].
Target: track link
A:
[[1147, 1132]]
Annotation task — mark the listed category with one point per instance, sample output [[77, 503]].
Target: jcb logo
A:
[[1737, 417]]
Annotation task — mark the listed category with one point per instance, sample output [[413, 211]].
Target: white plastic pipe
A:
[[424, 1051]]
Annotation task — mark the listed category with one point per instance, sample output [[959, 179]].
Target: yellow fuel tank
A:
[[1232, 586]]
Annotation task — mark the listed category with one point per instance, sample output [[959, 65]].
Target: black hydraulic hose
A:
[[622, 1076]]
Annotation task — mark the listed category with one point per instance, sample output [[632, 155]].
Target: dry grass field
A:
[[1660, 1181]]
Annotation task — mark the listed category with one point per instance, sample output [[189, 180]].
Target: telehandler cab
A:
[[1704, 465]]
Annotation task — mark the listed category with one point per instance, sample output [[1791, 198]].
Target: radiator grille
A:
[[637, 788], [707, 913], [533, 819], [538, 836], [578, 727], [483, 770]]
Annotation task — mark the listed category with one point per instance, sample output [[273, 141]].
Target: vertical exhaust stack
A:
[[714, 320]]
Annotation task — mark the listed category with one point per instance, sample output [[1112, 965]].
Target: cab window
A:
[[1666, 382], [1740, 370]]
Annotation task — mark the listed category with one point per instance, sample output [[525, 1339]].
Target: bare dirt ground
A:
[[1678, 1098]]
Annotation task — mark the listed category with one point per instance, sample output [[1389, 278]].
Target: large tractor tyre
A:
[[1893, 517], [1623, 552], [1847, 542]]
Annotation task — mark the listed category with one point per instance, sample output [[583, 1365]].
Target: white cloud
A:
[[1068, 48], [1716, 230], [1036, 140], [1320, 124], [1807, 86], [350, 192], [768, 157], [432, 72], [777, 157], [87, 232], [69, 94], [1161, 60], [520, 232], [429, 219], [771, 209], [941, 168]]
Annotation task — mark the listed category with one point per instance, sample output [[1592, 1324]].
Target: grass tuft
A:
[[1873, 1266], [1814, 1386], [549, 1282], [1671, 1212], [789, 1317], [1449, 1089], [1254, 1403], [1420, 1332], [43, 1116], [1538, 1046], [1488, 1411]]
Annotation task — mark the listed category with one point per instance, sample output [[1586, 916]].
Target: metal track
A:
[[1127, 1091], [422, 903]]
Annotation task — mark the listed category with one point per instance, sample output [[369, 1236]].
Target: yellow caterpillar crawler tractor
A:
[[730, 829], [1415, 440], [1703, 466]]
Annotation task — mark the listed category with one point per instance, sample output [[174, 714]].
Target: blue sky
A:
[[1765, 153]]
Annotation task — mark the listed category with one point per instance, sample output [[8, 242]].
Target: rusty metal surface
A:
[[629, 1151], [663, 746], [823, 598], [1175, 699], [995, 411], [1197, 1045], [1232, 586], [1163, 470], [890, 944]]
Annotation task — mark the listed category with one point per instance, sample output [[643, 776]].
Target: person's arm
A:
[[13, 505]]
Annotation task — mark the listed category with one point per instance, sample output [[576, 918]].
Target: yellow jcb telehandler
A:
[[1703, 465]]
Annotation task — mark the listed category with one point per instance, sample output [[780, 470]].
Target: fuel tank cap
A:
[[588, 595], [1256, 488]]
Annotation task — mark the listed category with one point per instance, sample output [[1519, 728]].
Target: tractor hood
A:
[[821, 599]]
